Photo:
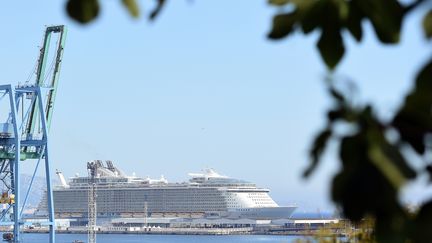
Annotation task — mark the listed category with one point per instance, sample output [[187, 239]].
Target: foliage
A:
[[361, 232], [85, 11], [373, 165]]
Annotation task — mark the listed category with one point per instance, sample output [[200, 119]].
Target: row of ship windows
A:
[[159, 203], [142, 205], [241, 205], [162, 196], [128, 194], [136, 199], [263, 195], [140, 199], [155, 206], [158, 193]]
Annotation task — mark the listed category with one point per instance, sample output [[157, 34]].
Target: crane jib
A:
[[41, 75], [24, 135]]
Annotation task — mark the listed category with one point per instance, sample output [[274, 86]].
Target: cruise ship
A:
[[205, 195]]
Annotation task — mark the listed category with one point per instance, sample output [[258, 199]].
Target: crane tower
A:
[[26, 112], [92, 213]]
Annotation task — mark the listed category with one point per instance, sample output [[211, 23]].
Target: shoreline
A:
[[197, 231]]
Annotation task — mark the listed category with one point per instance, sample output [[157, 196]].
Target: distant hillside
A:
[[37, 191]]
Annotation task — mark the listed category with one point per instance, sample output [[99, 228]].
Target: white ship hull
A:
[[270, 213], [207, 195]]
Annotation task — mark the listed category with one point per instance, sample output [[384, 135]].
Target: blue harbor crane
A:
[[24, 134]]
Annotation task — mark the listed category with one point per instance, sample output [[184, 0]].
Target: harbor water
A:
[[129, 238]]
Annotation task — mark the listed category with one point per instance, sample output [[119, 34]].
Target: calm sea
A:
[[129, 238]]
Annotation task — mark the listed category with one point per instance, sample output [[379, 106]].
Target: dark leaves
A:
[[386, 17], [392, 225], [406, 122], [338, 96], [373, 170], [312, 17], [331, 47], [334, 115], [83, 11], [360, 187], [387, 159], [393, 154], [334, 16], [354, 21], [428, 170], [423, 224], [278, 2], [330, 44], [282, 25], [317, 149], [157, 10], [373, 167], [414, 120], [427, 24], [423, 81]]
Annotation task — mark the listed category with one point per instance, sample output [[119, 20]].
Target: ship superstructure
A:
[[207, 195]]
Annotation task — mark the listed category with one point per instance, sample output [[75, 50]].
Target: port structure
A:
[[92, 207], [24, 134]]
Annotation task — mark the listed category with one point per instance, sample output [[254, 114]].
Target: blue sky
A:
[[200, 87]]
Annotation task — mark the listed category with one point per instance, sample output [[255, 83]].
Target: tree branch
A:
[[413, 5]]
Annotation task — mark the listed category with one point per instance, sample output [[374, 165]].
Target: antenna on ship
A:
[[92, 213]]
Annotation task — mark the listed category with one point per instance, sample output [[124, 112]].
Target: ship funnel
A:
[[62, 179]]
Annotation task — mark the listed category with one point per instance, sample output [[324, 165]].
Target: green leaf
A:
[[278, 2], [424, 78], [331, 47], [386, 166], [317, 149], [428, 169], [83, 11], [330, 44], [392, 153], [343, 8], [386, 17], [316, 13], [157, 10], [414, 119], [423, 224], [407, 123], [282, 25], [132, 7], [302, 5], [348, 186], [337, 95], [353, 151], [312, 16], [392, 225], [354, 21], [360, 187], [334, 115], [427, 24]]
